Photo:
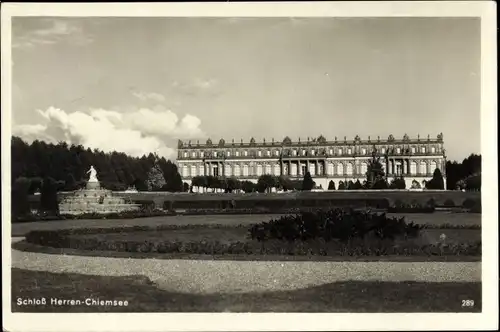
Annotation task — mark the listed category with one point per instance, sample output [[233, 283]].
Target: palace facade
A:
[[339, 160]]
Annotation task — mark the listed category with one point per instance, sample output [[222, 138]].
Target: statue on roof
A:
[[209, 141], [440, 137], [390, 138], [252, 141], [406, 138], [287, 140], [179, 143], [321, 139], [222, 142]]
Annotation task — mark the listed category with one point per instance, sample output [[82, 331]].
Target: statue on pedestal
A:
[[93, 174]]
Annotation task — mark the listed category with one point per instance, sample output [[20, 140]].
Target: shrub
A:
[[469, 203], [333, 224]]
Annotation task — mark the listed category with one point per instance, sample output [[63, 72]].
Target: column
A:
[[307, 167], [403, 166], [281, 168], [409, 166], [205, 169]]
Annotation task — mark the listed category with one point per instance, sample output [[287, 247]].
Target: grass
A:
[[144, 296]]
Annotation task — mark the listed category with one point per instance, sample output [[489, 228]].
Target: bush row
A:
[[94, 215], [298, 248]]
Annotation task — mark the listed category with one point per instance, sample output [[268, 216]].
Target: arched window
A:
[[364, 168], [193, 154], [276, 153], [277, 169], [237, 153], [349, 169], [201, 170], [330, 169], [227, 170], [340, 169], [294, 152], [423, 167], [245, 170], [268, 169], [422, 149], [228, 153], [339, 151], [259, 170], [433, 166], [236, 170], [413, 167], [268, 153], [185, 154], [245, 153], [193, 170], [184, 171]]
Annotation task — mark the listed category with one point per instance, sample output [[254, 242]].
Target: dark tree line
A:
[[67, 165], [49, 168], [465, 175]]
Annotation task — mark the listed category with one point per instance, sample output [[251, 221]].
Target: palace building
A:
[[339, 160]]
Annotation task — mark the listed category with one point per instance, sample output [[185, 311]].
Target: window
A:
[[268, 169], [412, 149], [294, 152], [228, 153], [364, 168], [268, 153], [245, 153], [398, 150], [237, 153], [340, 151], [227, 170], [236, 170], [363, 151], [313, 153], [184, 171], [340, 169], [259, 170], [276, 153], [349, 151], [422, 149], [202, 154], [303, 152], [349, 169], [413, 167], [215, 153], [185, 154], [193, 170], [383, 150], [433, 150], [245, 170], [277, 169], [330, 169], [331, 151], [193, 154], [201, 170]]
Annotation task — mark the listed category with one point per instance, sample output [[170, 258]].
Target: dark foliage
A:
[[307, 182], [457, 173], [437, 181], [333, 224], [331, 185]]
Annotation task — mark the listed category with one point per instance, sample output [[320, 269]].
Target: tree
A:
[[285, 183], [350, 185], [307, 182], [357, 185], [375, 172], [155, 180], [185, 187], [266, 182], [248, 186], [331, 185], [437, 181], [398, 183], [48, 196], [342, 185], [473, 183], [20, 192]]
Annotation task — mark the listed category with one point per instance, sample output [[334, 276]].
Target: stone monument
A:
[[94, 199]]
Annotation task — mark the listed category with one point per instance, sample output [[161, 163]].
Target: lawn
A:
[[143, 296]]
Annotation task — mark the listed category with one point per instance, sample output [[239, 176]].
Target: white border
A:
[[488, 319]]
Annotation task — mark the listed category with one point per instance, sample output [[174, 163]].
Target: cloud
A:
[[145, 96], [51, 31], [136, 133]]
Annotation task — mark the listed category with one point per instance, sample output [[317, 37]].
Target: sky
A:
[[137, 85]]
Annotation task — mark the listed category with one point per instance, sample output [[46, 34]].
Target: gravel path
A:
[[206, 277]]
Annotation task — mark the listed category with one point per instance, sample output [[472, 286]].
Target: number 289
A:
[[467, 303]]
